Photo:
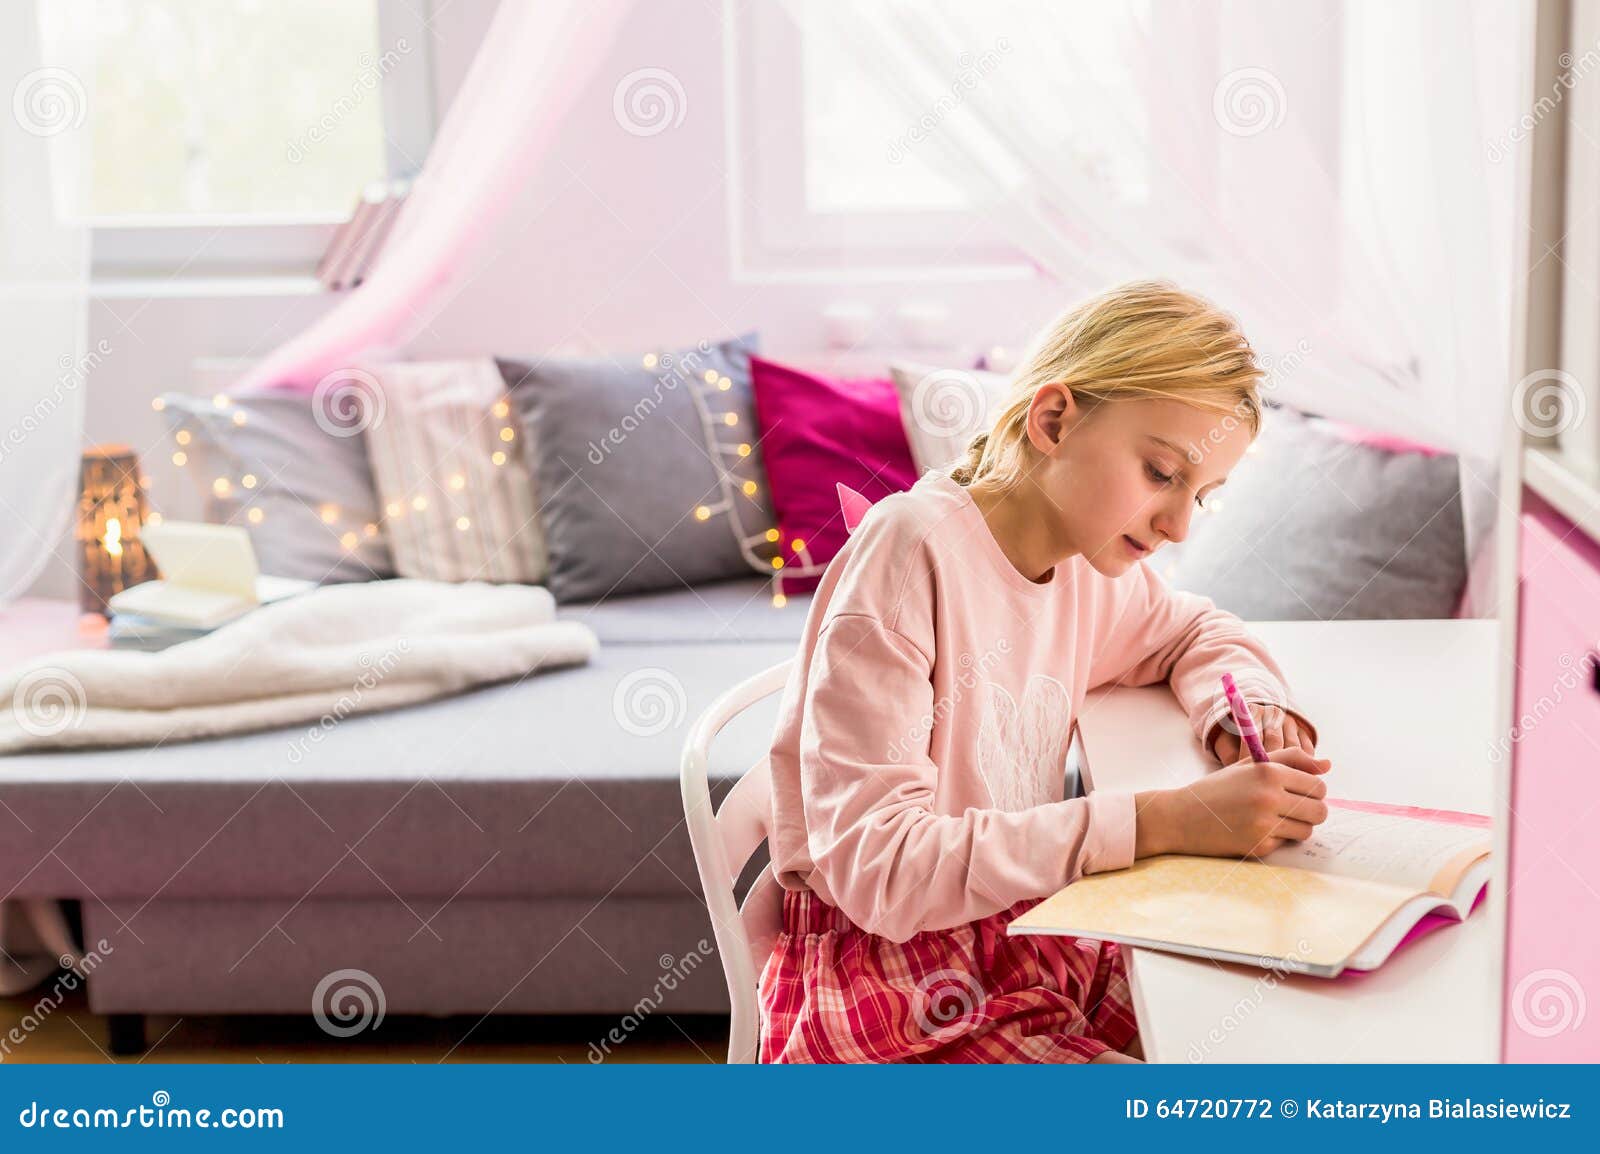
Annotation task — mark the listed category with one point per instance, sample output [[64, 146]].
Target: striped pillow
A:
[[456, 495]]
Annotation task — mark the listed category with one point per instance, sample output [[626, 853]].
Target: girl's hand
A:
[[1247, 809], [1278, 730]]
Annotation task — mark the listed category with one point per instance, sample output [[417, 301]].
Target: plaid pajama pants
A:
[[831, 992]]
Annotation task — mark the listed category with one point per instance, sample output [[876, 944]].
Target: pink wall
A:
[[622, 243], [1553, 894]]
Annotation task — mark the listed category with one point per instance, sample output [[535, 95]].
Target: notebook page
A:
[[1211, 905], [1381, 847]]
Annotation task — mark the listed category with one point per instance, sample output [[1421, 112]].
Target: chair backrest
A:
[[724, 842]]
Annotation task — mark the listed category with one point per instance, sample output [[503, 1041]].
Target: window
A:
[[823, 181], [233, 135]]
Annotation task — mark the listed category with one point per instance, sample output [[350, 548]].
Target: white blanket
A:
[[325, 654]]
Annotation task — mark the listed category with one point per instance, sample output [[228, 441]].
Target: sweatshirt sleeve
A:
[[890, 863], [1152, 633]]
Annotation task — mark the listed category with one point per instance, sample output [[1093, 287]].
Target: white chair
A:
[[724, 843]]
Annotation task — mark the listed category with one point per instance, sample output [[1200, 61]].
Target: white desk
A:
[[1405, 711]]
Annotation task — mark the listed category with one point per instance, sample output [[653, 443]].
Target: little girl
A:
[[918, 761]]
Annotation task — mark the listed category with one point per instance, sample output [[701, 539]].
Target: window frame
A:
[[251, 245], [766, 186]]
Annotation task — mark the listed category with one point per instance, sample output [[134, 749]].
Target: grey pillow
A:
[[1314, 526], [318, 510], [624, 454]]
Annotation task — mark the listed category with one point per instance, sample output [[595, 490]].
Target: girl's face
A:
[[1129, 476]]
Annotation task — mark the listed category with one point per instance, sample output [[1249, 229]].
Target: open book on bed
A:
[[1343, 899]]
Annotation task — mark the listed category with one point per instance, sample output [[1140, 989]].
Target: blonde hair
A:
[[1144, 339]]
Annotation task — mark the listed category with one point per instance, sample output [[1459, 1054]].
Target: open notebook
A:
[[208, 577], [1344, 899]]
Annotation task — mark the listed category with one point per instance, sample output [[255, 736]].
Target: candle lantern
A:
[[111, 512]]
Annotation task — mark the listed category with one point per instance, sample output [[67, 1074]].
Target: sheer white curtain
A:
[[1321, 169], [44, 272], [44, 268]]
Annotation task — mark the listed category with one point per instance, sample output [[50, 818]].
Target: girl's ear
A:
[[1055, 410]]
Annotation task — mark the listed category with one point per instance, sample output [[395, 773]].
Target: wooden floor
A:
[[70, 1033]]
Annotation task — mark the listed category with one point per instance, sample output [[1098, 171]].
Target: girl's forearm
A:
[[1155, 829]]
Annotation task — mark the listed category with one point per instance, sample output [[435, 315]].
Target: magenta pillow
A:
[[816, 433], [1389, 442]]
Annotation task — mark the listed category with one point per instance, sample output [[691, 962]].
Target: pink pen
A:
[[1242, 718]]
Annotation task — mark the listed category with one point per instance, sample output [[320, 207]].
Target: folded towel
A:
[[333, 651]]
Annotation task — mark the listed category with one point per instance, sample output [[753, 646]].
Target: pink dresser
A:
[[1553, 931]]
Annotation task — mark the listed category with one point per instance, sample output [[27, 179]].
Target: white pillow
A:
[[943, 409], [455, 492]]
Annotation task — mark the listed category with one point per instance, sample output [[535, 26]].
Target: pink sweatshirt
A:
[[918, 762]]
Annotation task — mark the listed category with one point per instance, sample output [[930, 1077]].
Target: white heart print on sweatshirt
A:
[[1022, 749]]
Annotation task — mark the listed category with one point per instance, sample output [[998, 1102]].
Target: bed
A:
[[518, 848]]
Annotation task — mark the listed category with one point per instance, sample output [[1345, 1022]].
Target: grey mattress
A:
[[545, 787], [726, 611]]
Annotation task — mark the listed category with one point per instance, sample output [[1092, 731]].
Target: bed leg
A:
[[125, 1034]]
